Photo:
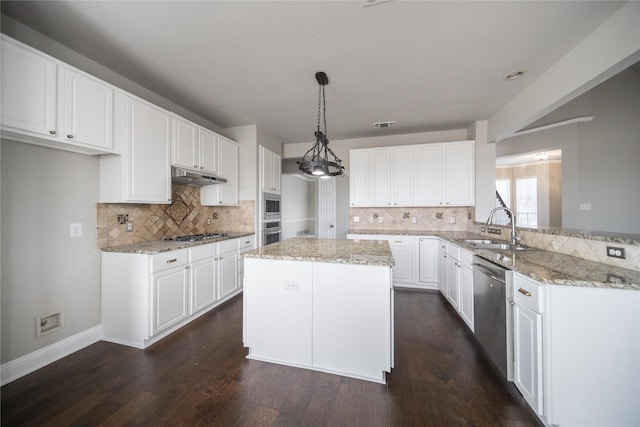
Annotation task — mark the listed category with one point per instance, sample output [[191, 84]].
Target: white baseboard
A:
[[28, 363]]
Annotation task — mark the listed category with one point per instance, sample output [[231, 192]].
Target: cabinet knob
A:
[[70, 136], [52, 132], [195, 166], [512, 303], [201, 167]]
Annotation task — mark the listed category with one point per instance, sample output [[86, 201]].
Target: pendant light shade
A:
[[320, 161]]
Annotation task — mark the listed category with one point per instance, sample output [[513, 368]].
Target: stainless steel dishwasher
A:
[[492, 320]]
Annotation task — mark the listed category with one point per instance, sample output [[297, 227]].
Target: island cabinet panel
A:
[[351, 319], [328, 316], [277, 311]]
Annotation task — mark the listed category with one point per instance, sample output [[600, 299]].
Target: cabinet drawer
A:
[[227, 246], [202, 251], [401, 240], [466, 258], [247, 242], [453, 251], [529, 293], [167, 260]]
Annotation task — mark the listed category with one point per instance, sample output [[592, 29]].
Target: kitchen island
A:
[[321, 304]]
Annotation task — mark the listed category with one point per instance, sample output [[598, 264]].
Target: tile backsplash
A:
[[184, 216], [436, 219]]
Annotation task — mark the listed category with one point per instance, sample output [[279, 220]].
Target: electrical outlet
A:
[[585, 206], [452, 220], [379, 220], [614, 252], [291, 286], [208, 221], [129, 226], [356, 219], [482, 229], [414, 220], [370, 219], [494, 230]]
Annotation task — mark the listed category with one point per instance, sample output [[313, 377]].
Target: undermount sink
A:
[[496, 245]]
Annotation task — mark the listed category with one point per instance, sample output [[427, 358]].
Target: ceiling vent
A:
[[373, 2], [381, 125]]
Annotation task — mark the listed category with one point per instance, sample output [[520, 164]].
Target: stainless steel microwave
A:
[[271, 206]]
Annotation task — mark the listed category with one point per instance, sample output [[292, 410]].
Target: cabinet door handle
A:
[[70, 136], [524, 292], [169, 261], [397, 241]]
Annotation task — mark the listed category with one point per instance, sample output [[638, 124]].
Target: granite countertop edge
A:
[[546, 267], [159, 246], [335, 251]]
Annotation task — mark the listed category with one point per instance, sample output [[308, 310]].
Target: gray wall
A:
[[599, 158], [43, 269]]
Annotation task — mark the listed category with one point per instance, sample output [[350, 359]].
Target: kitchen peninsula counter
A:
[[544, 266], [321, 304]]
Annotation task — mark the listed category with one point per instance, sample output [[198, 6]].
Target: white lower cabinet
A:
[[170, 298], [146, 297], [405, 255], [456, 279], [465, 277], [453, 279], [428, 267], [228, 268], [576, 353], [405, 251]]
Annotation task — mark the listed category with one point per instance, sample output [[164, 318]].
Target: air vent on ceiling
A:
[[373, 2], [381, 125]]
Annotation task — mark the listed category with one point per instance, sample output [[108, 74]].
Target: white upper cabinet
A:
[[88, 110], [428, 175], [184, 144], [208, 152], [359, 177], [415, 175], [459, 173], [28, 90], [402, 182], [193, 147], [270, 170], [147, 139], [49, 103], [380, 177], [225, 194], [141, 172]]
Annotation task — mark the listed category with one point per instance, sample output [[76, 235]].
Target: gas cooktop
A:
[[198, 237]]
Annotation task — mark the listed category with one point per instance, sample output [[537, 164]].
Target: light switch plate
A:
[[75, 229]]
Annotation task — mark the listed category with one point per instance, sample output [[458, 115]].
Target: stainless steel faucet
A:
[[514, 238]]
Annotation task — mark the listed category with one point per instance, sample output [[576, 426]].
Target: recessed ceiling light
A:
[[515, 75], [388, 124]]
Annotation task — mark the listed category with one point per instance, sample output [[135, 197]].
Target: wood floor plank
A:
[[199, 376]]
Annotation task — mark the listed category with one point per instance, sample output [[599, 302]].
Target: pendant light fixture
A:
[[320, 161]]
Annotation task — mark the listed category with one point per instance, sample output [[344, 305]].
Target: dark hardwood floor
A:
[[199, 377]]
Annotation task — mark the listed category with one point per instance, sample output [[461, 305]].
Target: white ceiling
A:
[[427, 65]]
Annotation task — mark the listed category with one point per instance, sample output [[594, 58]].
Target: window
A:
[[503, 187], [527, 202]]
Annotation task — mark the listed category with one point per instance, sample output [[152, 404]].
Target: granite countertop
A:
[[541, 265], [158, 246], [363, 252]]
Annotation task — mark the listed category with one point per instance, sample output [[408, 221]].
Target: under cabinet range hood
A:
[[194, 179]]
